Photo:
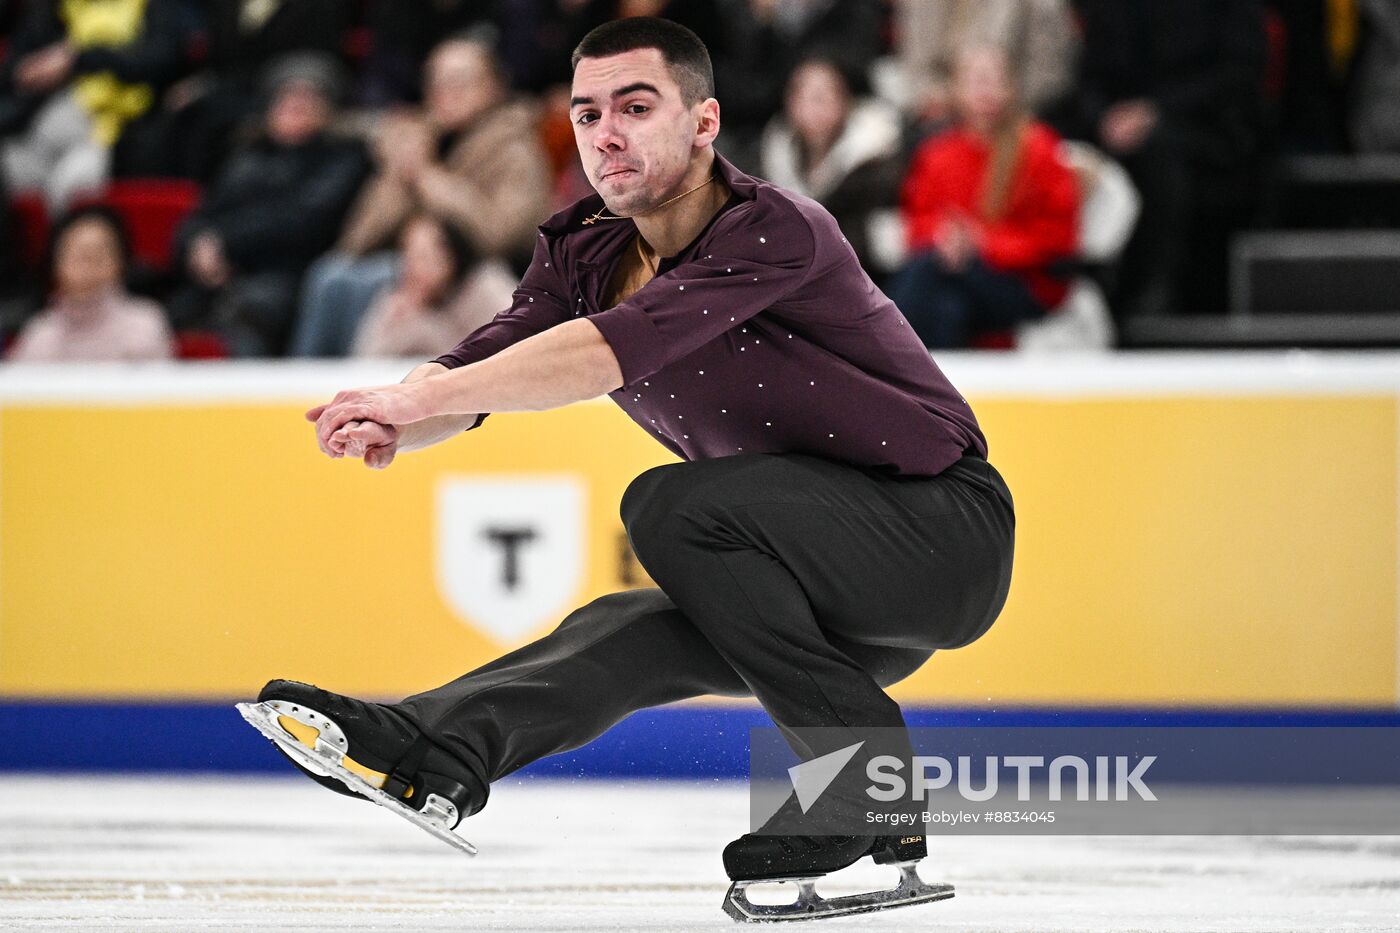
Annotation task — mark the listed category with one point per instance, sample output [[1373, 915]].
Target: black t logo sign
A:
[[510, 540]]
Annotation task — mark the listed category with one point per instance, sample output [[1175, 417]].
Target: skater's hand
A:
[[375, 443], [399, 404]]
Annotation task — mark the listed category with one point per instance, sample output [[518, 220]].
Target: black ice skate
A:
[[756, 859], [371, 751]]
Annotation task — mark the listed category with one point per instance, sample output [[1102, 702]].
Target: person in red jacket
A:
[[989, 208]]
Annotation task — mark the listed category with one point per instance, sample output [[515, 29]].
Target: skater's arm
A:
[[564, 364], [435, 430]]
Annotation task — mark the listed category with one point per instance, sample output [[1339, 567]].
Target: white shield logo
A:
[[510, 551]]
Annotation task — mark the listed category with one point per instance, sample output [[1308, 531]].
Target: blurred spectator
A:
[[990, 206], [275, 206], [91, 316], [1172, 89], [402, 36], [1037, 34], [197, 121], [443, 293], [765, 39], [538, 36], [76, 75], [837, 148], [473, 159], [1375, 124]]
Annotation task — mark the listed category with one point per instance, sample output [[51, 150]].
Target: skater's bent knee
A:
[[652, 491]]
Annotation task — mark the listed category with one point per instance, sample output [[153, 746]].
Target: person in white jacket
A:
[[838, 147]]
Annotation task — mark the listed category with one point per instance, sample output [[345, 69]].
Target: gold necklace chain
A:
[[599, 216]]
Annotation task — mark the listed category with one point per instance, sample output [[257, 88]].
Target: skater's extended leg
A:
[[618, 654]]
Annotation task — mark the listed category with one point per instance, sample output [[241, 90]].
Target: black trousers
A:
[[804, 582]]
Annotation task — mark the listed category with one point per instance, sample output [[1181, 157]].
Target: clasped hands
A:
[[364, 423]]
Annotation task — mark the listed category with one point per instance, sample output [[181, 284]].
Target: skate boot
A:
[[756, 858], [369, 750]]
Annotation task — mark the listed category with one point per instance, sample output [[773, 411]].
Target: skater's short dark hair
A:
[[685, 55]]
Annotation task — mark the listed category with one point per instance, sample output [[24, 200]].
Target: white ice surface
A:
[[269, 853]]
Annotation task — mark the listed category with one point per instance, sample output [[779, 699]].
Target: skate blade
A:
[[325, 759], [812, 906]]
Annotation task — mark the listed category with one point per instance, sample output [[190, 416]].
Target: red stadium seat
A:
[[200, 345], [32, 228], [994, 340], [152, 209]]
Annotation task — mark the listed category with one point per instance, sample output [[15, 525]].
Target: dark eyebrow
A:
[[620, 92]]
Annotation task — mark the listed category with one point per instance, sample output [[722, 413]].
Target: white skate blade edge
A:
[[325, 759], [810, 905]]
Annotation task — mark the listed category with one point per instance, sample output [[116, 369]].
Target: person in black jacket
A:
[[204, 112], [77, 76], [1172, 89], [275, 206]]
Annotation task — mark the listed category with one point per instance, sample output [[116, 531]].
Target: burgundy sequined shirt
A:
[[764, 335]]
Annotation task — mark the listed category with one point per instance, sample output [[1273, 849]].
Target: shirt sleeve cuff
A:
[[451, 362], [634, 340], [448, 360]]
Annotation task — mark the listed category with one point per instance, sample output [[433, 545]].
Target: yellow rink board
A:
[[1229, 549]]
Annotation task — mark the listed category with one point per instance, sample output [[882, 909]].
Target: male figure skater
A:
[[833, 519]]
